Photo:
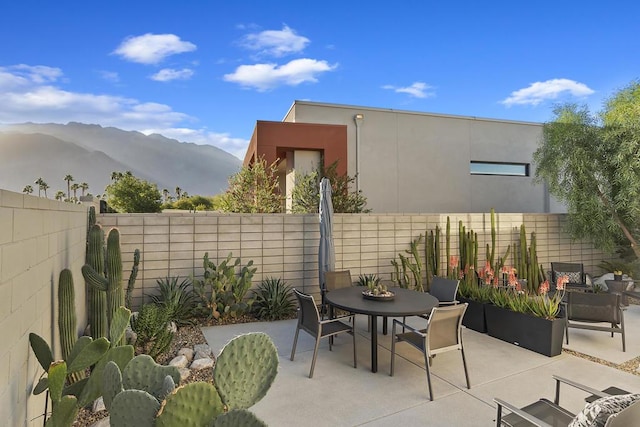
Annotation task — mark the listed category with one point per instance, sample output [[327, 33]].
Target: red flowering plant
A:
[[545, 305], [474, 286]]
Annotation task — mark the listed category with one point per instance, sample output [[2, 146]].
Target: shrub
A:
[[273, 300], [151, 324], [178, 299]]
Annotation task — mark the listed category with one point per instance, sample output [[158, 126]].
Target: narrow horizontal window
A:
[[496, 168]]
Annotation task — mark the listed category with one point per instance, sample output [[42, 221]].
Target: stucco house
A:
[[407, 161]]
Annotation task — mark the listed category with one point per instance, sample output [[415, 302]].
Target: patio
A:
[[339, 395]]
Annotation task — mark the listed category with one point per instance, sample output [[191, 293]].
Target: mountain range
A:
[[90, 153]]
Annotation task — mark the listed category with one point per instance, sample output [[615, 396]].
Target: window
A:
[[496, 168]]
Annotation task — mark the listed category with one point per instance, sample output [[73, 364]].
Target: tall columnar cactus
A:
[[111, 285], [132, 278], [448, 249], [244, 372], [67, 323], [97, 298]]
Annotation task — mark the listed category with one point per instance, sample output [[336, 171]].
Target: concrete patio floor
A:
[[339, 395]]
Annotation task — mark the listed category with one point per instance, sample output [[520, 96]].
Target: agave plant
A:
[[177, 298], [273, 300]]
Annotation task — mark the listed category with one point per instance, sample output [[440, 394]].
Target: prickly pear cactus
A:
[[143, 373], [133, 408], [238, 418], [245, 370], [111, 383], [195, 404]]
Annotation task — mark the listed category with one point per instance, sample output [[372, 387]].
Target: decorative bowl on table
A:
[[380, 296]]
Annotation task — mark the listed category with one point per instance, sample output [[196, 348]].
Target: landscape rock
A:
[[200, 364], [98, 405], [186, 352], [204, 348], [180, 361], [184, 373], [104, 422]]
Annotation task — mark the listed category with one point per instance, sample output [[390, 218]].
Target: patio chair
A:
[[443, 333], [612, 411], [575, 272], [334, 280], [445, 290], [309, 321], [590, 308]]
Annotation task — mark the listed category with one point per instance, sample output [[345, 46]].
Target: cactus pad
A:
[[143, 373], [42, 350], [111, 383], [64, 412], [134, 408], [168, 386], [119, 325], [89, 355], [238, 418], [245, 369], [196, 404], [121, 356]]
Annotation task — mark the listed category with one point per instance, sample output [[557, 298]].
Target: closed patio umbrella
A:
[[326, 251]]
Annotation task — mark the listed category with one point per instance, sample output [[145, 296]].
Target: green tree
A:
[[27, 189], [591, 162], [75, 187], [306, 192], [59, 195], [68, 178], [254, 189], [84, 187], [131, 194]]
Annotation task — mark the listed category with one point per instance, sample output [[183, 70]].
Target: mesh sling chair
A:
[[309, 321], [589, 309], [334, 280], [443, 333], [445, 290], [615, 411]]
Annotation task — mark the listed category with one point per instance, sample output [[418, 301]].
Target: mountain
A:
[[90, 153]]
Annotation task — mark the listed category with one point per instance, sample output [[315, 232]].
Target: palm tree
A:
[[27, 189], [84, 187], [178, 191], [40, 182], [68, 178], [44, 188], [165, 194], [59, 195], [115, 176], [74, 188]]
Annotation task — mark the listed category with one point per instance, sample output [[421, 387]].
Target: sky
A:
[[206, 71]]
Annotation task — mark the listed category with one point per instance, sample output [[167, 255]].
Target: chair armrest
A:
[[501, 403], [454, 302], [404, 325], [578, 386], [336, 319]]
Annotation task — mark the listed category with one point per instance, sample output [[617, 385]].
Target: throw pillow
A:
[[596, 413], [574, 276]]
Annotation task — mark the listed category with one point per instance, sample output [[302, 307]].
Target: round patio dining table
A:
[[405, 303]]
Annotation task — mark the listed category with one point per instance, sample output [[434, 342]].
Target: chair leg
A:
[[566, 330], [353, 332], [295, 342], [466, 372], [393, 347], [427, 362], [315, 354], [624, 347]]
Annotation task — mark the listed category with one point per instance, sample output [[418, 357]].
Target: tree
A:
[[59, 195], [591, 162], [27, 189], [254, 189], [165, 194], [84, 187], [178, 191], [306, 192], [131, 194], [68, 178], [39, 183], [74, 187]]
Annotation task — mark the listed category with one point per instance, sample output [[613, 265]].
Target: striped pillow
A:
[[596, 413]]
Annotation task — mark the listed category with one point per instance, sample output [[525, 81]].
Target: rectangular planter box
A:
[[533, 333], [474, 317]]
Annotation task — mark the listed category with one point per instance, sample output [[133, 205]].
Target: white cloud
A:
[[267, 76], [417, 90], [551, 89], [168, 74], [23, 98], [275, 42], [152, 48], [110, 76]]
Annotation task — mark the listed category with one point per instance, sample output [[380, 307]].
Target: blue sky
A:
[[205, 71]]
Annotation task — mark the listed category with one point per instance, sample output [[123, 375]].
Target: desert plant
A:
[[177, 297], [151, 326], [222, 291], [273, 300], [244, 372], [367, 279]]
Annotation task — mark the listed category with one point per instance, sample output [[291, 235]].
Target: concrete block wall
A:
[[38, 238], [286, 245]]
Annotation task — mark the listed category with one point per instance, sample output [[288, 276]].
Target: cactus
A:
[[132, 278], [66, 312], [97, 299], [238, 417], [111, 285], [135, 408], [245, 369], [448, 250], [194, 404], [111, 383], [143, 373], [64, 412], [93, 389]]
